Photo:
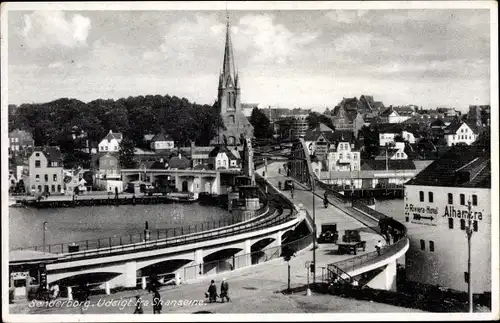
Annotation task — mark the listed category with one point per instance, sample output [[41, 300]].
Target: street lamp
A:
[[44, 229], [469, 231], [313, 267]]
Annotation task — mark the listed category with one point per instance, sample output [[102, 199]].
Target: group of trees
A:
[[315, 118], [56, 122], [262, 128]]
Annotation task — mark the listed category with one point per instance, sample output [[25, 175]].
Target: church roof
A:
[[228, 67]]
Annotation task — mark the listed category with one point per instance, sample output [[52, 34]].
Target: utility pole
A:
[[313, 268], [469, 232]]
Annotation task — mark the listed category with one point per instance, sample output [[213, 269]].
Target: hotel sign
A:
[[421, 215], [427, 215]]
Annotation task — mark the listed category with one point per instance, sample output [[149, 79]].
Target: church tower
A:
[[228, 98]]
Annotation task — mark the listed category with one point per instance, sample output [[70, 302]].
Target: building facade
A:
[[20, 140], [344, 157], [460, 133], [299, 125], [161, 142], [110, 143], [46, 171], [437, 212], [229, 100], [109, 167]]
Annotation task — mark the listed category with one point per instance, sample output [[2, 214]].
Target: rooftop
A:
[[459, 167]]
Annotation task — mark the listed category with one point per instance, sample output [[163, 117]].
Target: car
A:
[[288, 185]]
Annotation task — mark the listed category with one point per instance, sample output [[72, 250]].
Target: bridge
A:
[[212, 250], [371, 269]]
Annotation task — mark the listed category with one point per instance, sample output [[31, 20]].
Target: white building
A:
[[45, 171], [390, 115], [162, 141], [460, 133], [222, 157], [437, 213], [111, 143], [408, 136], [344, 157], [393, 151]]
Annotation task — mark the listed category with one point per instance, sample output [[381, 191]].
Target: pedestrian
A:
[[224, 290], [138, 305], [325, 201], [378, 246], [279, 170], [55, 291], [157, 303], [279, 186], [212, 292]]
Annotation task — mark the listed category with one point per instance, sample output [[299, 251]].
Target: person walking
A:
[[279, 186], [224, 290], [212, 292], [378, 246], [157, 303], [138, 305], [325, 201]]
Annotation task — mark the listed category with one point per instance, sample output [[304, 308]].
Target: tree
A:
[[126, 154], [314, 119], [261, 124]]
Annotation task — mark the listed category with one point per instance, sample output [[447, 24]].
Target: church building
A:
[[235, 121]]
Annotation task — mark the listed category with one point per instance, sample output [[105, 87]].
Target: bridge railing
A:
[[368, 215], [239, 261], [138, 237], [249, 226]]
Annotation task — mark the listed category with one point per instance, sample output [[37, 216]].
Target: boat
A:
[[182, 197]]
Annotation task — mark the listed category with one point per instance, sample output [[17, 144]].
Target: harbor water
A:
[[65, 225]]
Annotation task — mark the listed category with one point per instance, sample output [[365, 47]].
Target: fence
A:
[[151, 235], [266, 222], [240, 261]]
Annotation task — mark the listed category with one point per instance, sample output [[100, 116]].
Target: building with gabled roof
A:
[[46, 170], [111, 143], [221, 157], [441, 202], [460, 132], [162, 141]]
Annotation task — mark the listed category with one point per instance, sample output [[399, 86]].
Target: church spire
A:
[[228, 70]]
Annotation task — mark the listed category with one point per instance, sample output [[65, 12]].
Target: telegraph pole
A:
[[469, 236], [314, 230]]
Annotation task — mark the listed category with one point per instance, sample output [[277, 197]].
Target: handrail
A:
[[109, 242], [353, 263], [172, 242]]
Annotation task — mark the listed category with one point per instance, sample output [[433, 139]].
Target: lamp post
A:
[[469, 232], [44, 229], [313, 268]]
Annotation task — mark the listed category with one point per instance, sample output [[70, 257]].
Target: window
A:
[[54, 177], [53, 188], [431, 197], [37, 177], [37, 163], [421, 193], [46, 177], [462, 199], [474, 199], [231, 119], [37, 154], [340, 156], [474, 224], [422, 244], [450, 223], [354, 156], [59, 188], [453, 137], [32, 187], [39, 188], [462, 224], [431, 246], [450, 198]]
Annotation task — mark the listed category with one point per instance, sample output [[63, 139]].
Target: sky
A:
[[285, 58]]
